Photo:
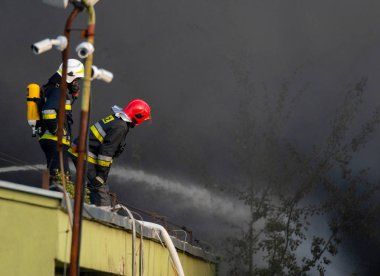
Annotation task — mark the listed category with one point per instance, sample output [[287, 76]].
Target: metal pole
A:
[[79, 182], [63, 84], [133, 240], [62, 104]]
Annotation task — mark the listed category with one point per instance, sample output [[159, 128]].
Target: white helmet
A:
[[75, 69]]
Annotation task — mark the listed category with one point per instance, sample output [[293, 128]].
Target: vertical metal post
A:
[[45, 179], [63, 83], [79, 182], [62, 104]]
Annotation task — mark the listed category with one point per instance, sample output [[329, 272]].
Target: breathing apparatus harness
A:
[[36, 98]]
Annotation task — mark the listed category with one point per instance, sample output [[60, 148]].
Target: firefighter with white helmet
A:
[[48, 136], [75, 70], [106, 142]]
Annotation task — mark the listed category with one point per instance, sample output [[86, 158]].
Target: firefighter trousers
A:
[[49, 147], [99, 193]]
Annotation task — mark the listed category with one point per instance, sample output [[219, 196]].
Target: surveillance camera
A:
[[63, 3], [101, 74], [42, 46], [56, 3], [84, 49], [45, 45]]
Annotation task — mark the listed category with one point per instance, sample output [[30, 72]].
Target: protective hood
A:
[[120, 113]]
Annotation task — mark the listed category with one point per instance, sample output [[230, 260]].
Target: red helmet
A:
[[138, 111]]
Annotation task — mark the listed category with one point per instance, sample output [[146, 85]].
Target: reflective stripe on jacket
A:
[[50, 112], [106, 140]]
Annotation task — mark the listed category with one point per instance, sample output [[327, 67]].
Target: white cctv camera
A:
[[63, 3], [45, 45], [56, 3], [84, 49], [101, 74]]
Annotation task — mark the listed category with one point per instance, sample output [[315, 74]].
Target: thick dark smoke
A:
[[196, 62]]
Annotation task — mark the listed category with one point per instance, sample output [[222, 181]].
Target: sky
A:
[[197, 63]]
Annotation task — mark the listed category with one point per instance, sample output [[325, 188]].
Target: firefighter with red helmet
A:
[[106, 142]]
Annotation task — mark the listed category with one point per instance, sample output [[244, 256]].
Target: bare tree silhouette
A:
[[287, 190]]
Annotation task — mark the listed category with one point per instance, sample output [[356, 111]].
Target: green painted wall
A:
[[35, 233], [28, 234]]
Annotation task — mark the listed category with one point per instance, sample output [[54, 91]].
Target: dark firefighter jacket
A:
[[50, 112], [106, 141]]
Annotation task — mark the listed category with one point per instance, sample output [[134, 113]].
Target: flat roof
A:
[[92, 212]]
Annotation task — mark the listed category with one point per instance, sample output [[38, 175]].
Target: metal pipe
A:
[[79, 182], [141, 246], [141, 250], [63, 83], [169, 244], [133, 239], [65, 193], [61, 110], [141, 243]]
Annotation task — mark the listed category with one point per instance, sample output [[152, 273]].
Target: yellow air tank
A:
[[32, 98]]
